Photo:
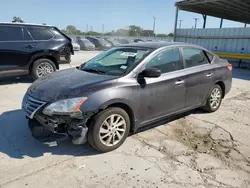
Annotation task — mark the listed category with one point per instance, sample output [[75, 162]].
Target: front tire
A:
[[214, 99], [42, 67], [109, 129]]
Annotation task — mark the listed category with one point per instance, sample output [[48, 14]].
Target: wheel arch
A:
[[223, 87], [43, 56], [129, 111]]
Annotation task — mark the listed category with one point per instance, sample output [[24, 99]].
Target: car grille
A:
[[31, 105]]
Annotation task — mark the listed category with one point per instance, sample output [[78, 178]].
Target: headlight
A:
[[65, 107]]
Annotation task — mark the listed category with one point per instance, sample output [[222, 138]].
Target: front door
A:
[[166, 94], [199, 78]]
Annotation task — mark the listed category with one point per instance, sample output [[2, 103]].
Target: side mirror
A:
[[151, 73]]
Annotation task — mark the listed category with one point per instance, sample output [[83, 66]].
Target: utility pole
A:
[[195, 25], [87, 28], [180, 23], [91, 28], [154, 26], [103, 29]]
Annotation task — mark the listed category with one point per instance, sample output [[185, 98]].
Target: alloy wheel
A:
[[215, 98], [112, 130], [43, 69]]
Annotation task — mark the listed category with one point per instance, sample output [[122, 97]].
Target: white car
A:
[[76, 47]]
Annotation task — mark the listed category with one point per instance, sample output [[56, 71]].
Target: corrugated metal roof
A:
[[235, 10]]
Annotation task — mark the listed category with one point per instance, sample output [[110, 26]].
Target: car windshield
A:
[[117, 61]]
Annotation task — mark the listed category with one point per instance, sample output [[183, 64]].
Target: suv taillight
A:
[[230, 67]]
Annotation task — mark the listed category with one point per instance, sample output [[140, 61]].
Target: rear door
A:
[[199, 78], [13, 51]]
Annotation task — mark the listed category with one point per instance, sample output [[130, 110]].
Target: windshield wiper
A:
[[94, 71]]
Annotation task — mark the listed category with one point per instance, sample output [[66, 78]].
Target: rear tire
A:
[[106, 136], [214, 99], [42, 67]]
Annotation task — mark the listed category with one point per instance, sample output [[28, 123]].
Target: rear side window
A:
[[11, 33], [40, 33], [194, 57]]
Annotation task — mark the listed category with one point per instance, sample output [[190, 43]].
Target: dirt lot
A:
[[193, 150]]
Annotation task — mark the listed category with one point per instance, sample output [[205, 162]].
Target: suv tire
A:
[[101, 125], [214, 99], [42, 67]]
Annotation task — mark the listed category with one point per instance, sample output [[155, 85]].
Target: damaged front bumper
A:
[[48, 129], [57, 127]]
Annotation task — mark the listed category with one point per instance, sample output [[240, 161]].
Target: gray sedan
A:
[[123, 89]]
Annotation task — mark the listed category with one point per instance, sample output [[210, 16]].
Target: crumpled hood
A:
[[65, 84]]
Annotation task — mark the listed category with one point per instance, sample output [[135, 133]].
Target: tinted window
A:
[[26, 35], [11, 33], [194, 57], [40, 33], [167, 61]]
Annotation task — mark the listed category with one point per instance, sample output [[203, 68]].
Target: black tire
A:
[[208, 107], [38, 62], [96, 123]]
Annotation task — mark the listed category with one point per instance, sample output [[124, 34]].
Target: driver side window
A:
[[166, 61]]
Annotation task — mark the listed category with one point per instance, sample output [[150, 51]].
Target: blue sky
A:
[[114, 14]]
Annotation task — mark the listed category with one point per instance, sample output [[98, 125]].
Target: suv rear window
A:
[[40, 33], [11, 33]]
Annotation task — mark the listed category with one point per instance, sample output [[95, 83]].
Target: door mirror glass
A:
[[151, 73]]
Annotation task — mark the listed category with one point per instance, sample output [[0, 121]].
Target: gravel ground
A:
[[195, 149]]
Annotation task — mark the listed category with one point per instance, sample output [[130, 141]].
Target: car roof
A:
[[156, 45], [24, 24]]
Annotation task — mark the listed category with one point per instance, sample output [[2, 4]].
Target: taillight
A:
[[230, 67]]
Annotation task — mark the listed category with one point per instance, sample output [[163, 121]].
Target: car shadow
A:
[[167, 120], [16, 80], [16, 140]]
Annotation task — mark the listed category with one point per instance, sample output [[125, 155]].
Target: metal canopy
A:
[[235, 10]]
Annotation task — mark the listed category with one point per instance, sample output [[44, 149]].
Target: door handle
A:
[[179, 82], [30, 46], [209, 75]]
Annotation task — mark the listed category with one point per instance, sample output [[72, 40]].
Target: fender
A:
[[43, 54]]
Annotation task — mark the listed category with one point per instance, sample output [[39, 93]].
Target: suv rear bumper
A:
[[64, 59]]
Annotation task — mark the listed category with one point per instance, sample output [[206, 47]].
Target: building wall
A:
[[232, 40]]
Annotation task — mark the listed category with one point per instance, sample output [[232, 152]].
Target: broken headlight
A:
[[64, 107]]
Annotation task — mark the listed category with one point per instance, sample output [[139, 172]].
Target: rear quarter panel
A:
[[222, 73]]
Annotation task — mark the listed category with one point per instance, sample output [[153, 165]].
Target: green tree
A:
[[70, 29], [17, 19], [122, 32], [135, 30], [93, 33], [171, 34], [147, 33]]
